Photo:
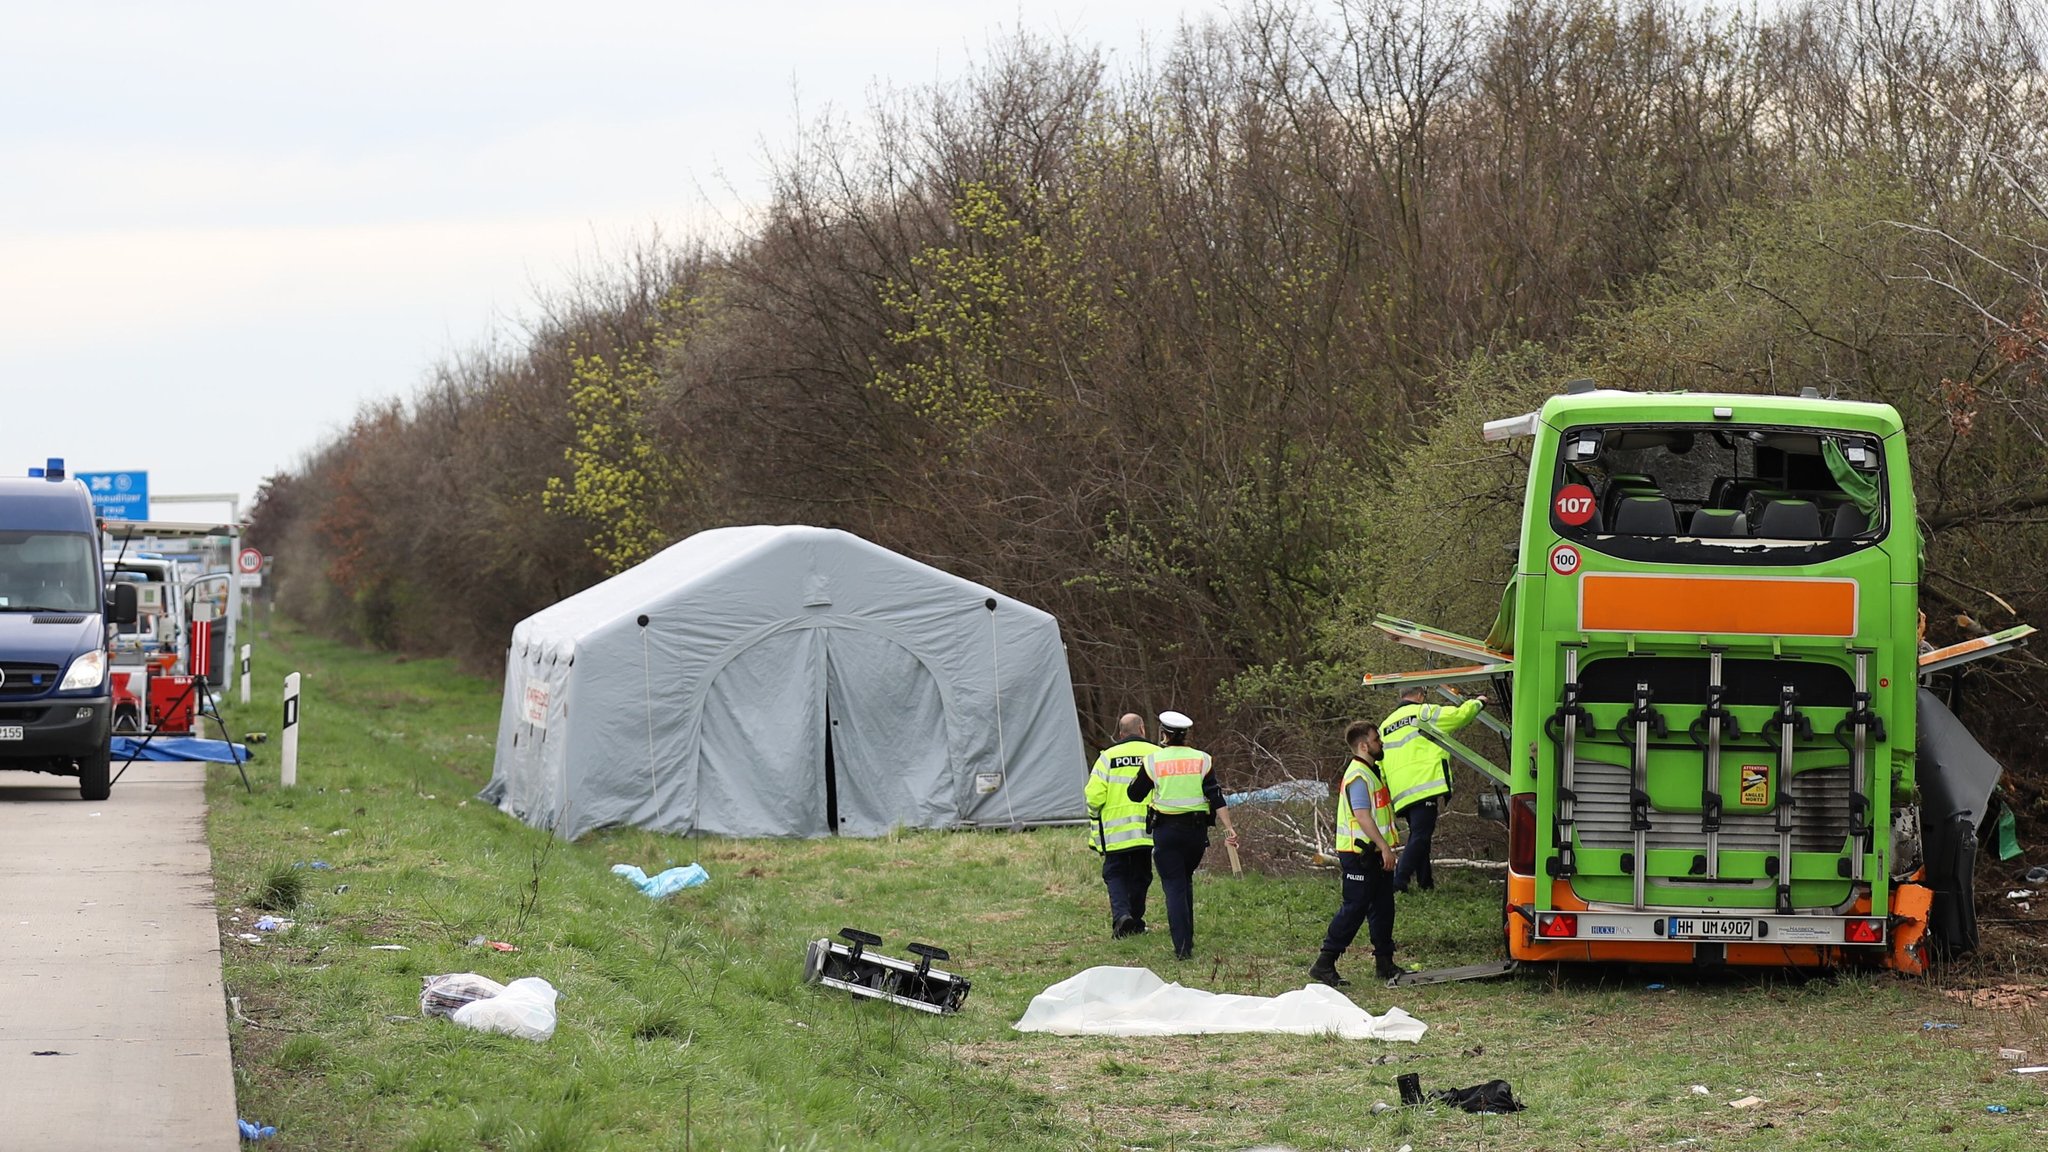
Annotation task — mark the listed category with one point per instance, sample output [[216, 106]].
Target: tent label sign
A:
[[985, 783], [537, 705]]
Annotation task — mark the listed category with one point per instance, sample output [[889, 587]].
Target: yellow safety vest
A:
[[1350, 831], [1177, 772], [1415, 767], [1119, 821]]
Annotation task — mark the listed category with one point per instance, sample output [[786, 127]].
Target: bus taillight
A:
[[1522, 833]]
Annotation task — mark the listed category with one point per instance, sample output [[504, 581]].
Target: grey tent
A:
[[696, 691]]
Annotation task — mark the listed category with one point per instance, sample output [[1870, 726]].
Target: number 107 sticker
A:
[[1564, 560]]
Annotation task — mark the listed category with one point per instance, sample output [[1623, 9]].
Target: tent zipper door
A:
[[831, 776]]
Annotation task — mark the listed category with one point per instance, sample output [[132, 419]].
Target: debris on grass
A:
[[272, 923], [2000, 996], [523, 1008], [2012, 1055], [1997, 1109], [1702, 1090], [1280, 793], [1492, 1098], [251, 1131], [315, 865], [1747, 1102], [389, 948], [1937, 1026], [665, 884], [2031, 1070], [443, 995]]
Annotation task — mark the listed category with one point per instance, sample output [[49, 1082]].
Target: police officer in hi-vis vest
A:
[[1185, 802], [1117, 830], [1418, 771], [1366, 840]]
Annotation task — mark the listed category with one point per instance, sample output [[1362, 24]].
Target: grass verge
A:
[[685, 1023]]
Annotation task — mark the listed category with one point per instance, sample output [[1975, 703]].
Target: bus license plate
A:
[[1708, 928], [10, 731]]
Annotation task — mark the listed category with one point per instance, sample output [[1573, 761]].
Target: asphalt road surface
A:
[[113, 1029]]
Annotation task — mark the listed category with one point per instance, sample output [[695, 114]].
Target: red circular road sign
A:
[[1564, 560], [249, 561], [1574, 504]]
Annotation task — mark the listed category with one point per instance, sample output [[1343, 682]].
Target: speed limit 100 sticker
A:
[[1564, 560]]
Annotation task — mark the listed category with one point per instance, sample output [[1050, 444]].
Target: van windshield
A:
[[48, 572]]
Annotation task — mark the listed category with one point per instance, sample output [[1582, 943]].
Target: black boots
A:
[[1128, 926], [1325, 970], [1386, 969]]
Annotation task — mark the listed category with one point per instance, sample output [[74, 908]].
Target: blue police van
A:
[[56, 613]]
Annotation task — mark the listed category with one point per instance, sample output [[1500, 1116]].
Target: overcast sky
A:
[[224, 226]]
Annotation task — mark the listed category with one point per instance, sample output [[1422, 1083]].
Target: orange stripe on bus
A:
[[1717, 605]]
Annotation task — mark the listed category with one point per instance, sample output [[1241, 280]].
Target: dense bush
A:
[[1194, 355]]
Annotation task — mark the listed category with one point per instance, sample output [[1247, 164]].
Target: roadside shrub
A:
[[281, 888]]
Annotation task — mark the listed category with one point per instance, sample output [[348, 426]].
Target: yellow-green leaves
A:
[[621, 476], [984, 319]]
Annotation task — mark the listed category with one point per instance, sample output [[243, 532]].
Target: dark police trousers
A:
[[1414, 861], [1177, 846], [1368, 899], [1128, 873]]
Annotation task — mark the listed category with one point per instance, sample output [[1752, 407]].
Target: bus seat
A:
[[1790, 520], [1618, 497], [1719, 522], [1645, 516], [1629, 484], [1849, 521]]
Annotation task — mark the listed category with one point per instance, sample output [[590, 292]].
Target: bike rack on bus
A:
[[1714, 723], [1563, 729], [1791, 725], [1645, 717], [1864, 726]]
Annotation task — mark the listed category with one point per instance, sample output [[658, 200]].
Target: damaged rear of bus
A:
[[1720, 751]]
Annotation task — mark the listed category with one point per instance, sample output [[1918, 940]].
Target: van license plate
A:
[[10, 731], [1708, 928]]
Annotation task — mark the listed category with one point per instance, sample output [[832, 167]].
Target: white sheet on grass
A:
[[1109, 1001]]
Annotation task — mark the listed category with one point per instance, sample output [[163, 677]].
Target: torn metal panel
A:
[[1438, 640], [1975, 649], [1464, 755], [1957, 778], [1437, 675]]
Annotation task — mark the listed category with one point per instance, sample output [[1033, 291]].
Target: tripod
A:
[[208, 706]]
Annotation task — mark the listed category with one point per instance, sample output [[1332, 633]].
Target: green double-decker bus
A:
[[1712, 647]]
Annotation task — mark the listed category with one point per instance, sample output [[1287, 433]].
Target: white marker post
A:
[[290, 773], [245, 673]]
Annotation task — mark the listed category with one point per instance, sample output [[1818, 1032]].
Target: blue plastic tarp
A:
[[666, 884], [179, 748]]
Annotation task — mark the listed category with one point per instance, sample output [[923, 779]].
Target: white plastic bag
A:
[[526, 1008], [445, 995]]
